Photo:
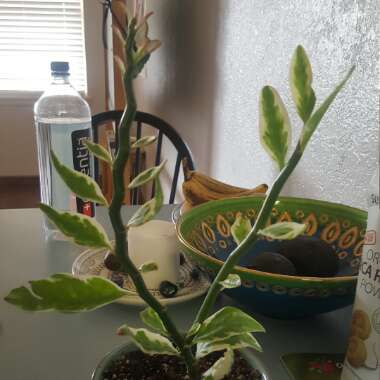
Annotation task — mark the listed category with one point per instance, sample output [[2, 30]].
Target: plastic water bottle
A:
[[63, 123]]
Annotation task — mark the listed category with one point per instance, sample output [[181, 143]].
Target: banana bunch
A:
[[199, 188]]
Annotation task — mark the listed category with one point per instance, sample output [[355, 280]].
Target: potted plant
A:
[[227, 329]]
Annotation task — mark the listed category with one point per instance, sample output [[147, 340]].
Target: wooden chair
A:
[[161, 128]]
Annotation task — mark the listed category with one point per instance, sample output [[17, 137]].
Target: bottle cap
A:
[[59, 68]]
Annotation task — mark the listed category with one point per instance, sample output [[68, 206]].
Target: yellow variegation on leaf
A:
[[233, 342], [226, 322], [149, 209], [146, 176], [301, 78], [100, 152], [221, 367], [153, 320], [144, 44], [149, 342], [144, 141], [150, 266], [65, 293], [80, 184], [82, 229], [283, 230], [274, 125], [232, 281], [240, 228]]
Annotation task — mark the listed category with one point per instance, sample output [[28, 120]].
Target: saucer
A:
[[91, 263]]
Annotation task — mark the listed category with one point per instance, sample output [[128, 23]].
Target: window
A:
[[35, 32]]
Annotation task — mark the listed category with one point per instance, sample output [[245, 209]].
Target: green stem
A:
[[251, 238], [121, 248]]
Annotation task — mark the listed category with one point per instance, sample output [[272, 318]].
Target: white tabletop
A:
[[53, 346]]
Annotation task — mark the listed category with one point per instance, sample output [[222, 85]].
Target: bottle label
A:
[[67, 142], [363, 353], [82, 163]]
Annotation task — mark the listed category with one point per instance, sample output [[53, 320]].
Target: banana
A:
[[199, 188]]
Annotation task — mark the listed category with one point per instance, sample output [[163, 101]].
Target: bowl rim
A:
[[240, 268]]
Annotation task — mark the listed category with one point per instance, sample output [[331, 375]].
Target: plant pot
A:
[[249, 354]]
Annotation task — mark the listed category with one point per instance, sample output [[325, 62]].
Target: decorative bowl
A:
[[205, 237]]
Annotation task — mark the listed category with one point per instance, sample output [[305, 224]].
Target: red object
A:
[[87, 209]]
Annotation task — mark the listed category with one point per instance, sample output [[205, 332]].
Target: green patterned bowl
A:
[[205, 237]]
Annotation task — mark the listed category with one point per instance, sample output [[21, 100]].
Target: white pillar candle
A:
[[155, 241]]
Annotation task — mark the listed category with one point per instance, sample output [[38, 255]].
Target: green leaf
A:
[[149, 342], [224, 323], [283, 230], [150, 266], [146, 176], [232, 281], [100, 152], [274, 125], [314, 120], [193, 329], [153, 320], [240, 228], [79, 183], [233, 342], [148, 210], [144, 141], [301, 78], [220, 368], [81, 228], [65, 293]]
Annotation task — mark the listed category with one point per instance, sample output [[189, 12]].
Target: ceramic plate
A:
[[90, 262]]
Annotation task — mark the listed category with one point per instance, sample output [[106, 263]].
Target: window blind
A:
[[35, 32]]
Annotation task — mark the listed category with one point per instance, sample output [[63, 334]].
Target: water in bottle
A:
[[63, 123]]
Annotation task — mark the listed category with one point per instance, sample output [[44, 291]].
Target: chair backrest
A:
[[162, 129]]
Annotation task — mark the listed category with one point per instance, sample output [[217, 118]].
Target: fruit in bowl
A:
[[336, 230], [200, 188]]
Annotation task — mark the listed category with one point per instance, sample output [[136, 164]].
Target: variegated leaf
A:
[[150, 266], [144, 141], [153, 320], [240, 228], [314, 120], [274, 125], [65, 293], [149, 342], [122, 8], [100, 152], [301, 78], [81, 228], [193, 329], [233, 342], [119, 34], [120, 64], [80, 184], [220, 368], [146, 176], [224, 323], [149, 209], [232, 281], [283, 230]]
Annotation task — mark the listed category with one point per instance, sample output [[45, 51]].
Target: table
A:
[[53, 346]]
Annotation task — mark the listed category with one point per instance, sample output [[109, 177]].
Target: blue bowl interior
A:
[[342, 227]]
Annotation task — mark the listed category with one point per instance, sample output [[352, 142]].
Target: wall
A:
[[217, 55], [18, 152]]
